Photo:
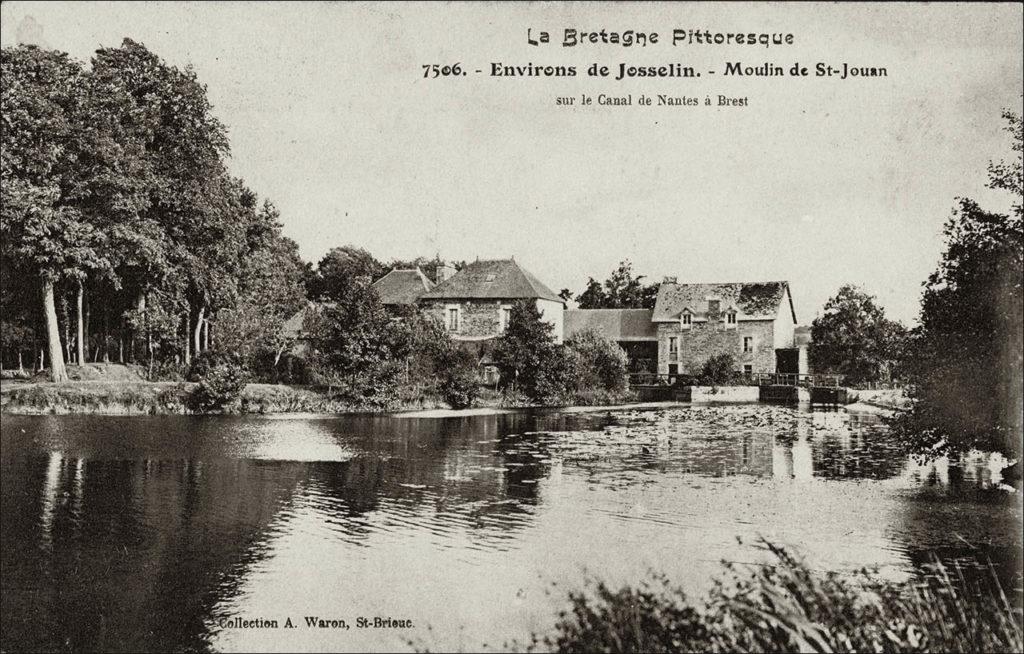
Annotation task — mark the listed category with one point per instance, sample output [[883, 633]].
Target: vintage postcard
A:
[[526, 327]]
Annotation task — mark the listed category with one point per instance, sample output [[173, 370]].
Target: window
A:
[[453, 319], [685, 319], [748, 370], [748, 343], [673, 347], [730, 318], [504, 316]]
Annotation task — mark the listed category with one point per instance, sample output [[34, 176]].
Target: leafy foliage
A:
[[853, 338], [459, 383], [113, 182], [341, 269], [527, 356], [219, 386], [717, 370], [600, 363], [622, 290], [965, 361]]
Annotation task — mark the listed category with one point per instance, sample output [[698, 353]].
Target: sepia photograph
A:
[[511, 326]]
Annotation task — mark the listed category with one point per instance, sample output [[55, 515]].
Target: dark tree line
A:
[[965, 359]]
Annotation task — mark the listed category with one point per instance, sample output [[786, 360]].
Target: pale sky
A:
[[818, 181]]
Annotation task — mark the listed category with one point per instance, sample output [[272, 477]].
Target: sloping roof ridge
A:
[[612, 309], [760, 281]]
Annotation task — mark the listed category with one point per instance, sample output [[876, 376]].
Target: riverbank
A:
[[137, 397], [170, 398]]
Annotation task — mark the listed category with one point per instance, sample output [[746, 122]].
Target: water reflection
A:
[[145, 533]]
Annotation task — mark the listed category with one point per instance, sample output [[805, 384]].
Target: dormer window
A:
[[685, 320], [730, 318]]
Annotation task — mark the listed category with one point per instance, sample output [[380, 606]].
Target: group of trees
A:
[[622, 290], [586, 369], [855, 339], [965, 359], [124, 237], [962, 365]]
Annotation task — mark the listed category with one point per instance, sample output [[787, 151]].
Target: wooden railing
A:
[[753, 379], [792, 379]]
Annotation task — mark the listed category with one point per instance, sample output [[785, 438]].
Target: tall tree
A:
[[340, 269], [622, 290], [42, 139], [966, 361], [527, 355], [853, 337]]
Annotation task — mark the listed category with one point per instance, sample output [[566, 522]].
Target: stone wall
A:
[[482, 318], [703, 340], [478, 318]]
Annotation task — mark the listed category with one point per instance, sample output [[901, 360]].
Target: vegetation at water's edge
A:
[[788, 607], [157, 398]]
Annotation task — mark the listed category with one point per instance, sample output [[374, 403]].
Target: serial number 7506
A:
[[435, 70]]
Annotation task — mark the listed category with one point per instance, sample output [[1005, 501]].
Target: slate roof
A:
[[402, 286], [751, 300], [616, 324], [492, 279]]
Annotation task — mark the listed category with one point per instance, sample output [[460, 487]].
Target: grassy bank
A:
[[158, 398], [138, 397], [787, 607]]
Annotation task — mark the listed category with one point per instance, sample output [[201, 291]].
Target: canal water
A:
[[181, 533]]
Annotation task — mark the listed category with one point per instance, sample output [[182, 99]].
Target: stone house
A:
[[753, 321], [475, 304], [690, 323]]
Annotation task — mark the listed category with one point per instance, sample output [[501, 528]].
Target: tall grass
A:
[[787, 607]]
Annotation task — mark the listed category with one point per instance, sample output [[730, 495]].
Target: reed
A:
[[788, 607]]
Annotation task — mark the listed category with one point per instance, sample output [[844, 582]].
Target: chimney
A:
[[443, 273], [669, 279]]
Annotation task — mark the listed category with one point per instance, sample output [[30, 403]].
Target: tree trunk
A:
[[88, 334], [206, 335], [79, 296], [188, 339], [106, 334], [21, 365], [199, 330], [68, 357], [57, 371]]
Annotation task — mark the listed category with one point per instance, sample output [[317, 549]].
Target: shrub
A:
[[221, 385], [202, 364], [601, 363], [459, 385], [719, 369]]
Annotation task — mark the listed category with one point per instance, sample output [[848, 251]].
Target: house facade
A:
[[752, 321], [475, 303]]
